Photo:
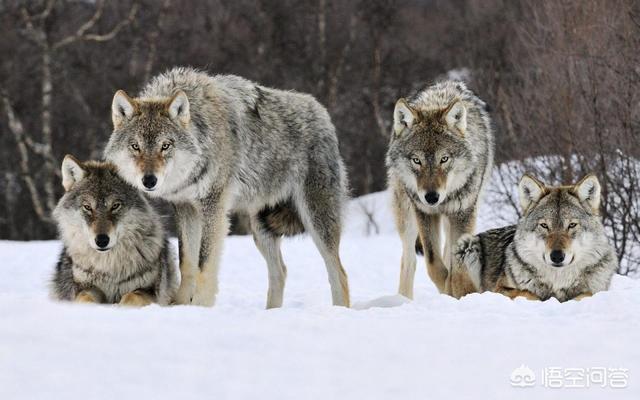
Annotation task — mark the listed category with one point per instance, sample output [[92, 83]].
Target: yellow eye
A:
[[135, 146], [572, 225], [444, 159], [86, 207], [115, 206], [416, 161], [165, 146], [545, 226]]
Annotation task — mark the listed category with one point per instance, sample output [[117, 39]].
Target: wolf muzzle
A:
[[149, 181], [102, 241], [557, 257]]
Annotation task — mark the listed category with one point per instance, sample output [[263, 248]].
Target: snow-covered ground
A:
[[383, 348]]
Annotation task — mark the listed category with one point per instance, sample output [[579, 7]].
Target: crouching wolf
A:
[[557, 249], [115, 249], [216, 144], [439, 159]]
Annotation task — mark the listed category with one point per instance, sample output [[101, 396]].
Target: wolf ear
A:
[[179, 107], [121, 108], [588, 191], [72, 172], [456, 117], [403, 117], [530, 190]]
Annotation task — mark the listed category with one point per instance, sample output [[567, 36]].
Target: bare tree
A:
[[36, 29]]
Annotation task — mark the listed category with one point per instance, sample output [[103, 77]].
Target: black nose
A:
[[557, 256], [432, 197], [102, 240], [149, 181]]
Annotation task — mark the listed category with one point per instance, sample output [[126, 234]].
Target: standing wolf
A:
[[215, 144], [557, 249], [115, 249], [439, 159]]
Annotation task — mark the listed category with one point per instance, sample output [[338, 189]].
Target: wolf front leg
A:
[[189, 224], [460, 223], [429, 231], [214, 229], [466, 267], [408, 229]]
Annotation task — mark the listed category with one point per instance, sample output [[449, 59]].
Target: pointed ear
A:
[[179, 107], [456, 117], [588, 191], [122, 107], [403, 117], [72, 172], [530, 190]]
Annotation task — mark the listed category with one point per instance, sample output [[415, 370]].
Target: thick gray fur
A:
[[443, 143], [240, 146], [140, 259]]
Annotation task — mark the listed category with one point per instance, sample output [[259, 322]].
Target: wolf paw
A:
[[185, 292], [86, 297], [206, 289], [134, 299], [203, 298], [467, 249]]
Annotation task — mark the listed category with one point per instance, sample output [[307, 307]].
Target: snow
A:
[[385, 347]]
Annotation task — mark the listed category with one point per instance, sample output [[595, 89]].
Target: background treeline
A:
[[562, 79]]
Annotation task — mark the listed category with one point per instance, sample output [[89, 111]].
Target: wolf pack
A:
[[216, 145]]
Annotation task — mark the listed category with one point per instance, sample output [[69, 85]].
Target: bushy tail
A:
[[281, 219]]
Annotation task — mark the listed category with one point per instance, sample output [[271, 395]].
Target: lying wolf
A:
[[557, 249], [439, 160], [216, 144], [115, 248]]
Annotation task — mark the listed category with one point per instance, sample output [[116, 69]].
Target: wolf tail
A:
[[281, 220]]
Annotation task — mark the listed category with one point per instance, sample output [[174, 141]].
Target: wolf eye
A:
[[444, 159], [545, 226], [135, 146], [115, 206], [572, 225], [165, 146], [86, 207], [416, 161]]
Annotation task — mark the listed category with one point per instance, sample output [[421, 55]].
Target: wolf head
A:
[[151, 142], [97, 207], [560, 225], [428, 151]]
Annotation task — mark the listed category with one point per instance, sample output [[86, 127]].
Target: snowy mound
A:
[[384, 348]]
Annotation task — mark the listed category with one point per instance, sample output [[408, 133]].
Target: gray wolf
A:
[[115, 248], [439, 159], [557, 249], [212, 145]]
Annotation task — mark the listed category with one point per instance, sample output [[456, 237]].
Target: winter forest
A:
[[562, 79]]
